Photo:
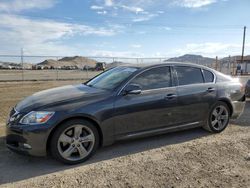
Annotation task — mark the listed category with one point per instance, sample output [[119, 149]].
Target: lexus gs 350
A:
[[125, 102]]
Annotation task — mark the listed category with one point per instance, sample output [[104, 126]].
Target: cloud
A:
[[144, 17], [193, 3], [138, 13], [95, 7], [136, 46], [212, 49], [108, 3], [102, 12], [21, 5], [37, 35], [132, 9], [160, 12], [107, 53], [167, 28]]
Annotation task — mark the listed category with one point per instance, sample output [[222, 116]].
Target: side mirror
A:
[[132, 89]]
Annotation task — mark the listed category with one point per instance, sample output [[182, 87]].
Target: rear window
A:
[[209, 77], [189, 75]]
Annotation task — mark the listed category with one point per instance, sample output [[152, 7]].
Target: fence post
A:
[[22, 64], [220, 62], [87, 69], [57, 68], [216, 63]]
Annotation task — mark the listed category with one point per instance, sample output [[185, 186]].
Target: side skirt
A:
[[158, 131]]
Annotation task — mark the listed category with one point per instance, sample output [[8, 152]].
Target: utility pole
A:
[[243, 47]]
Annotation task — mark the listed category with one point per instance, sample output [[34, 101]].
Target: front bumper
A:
[[30, 140]]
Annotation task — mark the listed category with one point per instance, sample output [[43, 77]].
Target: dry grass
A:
[[10, 75], [12, 92]]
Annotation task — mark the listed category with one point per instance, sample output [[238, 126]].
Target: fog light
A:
[[26, 146]]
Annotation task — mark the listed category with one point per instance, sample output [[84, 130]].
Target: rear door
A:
[[153, 108], [196, 93]]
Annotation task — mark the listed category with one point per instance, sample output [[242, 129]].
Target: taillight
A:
[[242, 88]]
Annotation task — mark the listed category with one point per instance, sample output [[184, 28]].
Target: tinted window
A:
[[209, 77], [111, 78], [188, 75], [154, 78]]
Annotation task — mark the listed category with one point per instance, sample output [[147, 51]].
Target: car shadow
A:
[[14, 167]]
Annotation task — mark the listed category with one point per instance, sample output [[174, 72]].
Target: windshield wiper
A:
[[90, 85]]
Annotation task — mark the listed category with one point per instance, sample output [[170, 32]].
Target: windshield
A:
[[111, 78]]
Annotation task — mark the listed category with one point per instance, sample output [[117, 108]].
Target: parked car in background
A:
[[247, 89], [125, 102], [100, 66]]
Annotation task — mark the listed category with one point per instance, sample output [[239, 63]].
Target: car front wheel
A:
[[74, 141]]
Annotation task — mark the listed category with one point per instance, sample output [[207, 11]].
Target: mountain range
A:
[[76, 61], [198, 59], [81, 62]]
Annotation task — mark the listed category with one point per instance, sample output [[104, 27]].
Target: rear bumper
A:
[[238, 108]]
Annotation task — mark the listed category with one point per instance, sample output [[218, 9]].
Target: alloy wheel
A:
[[76, 142], [219, 117]]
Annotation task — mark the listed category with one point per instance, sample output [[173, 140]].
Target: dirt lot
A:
[[11, 75], [13, 92], [192, 158]]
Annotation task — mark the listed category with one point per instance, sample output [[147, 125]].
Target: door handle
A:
[[210, 89], [170, 96]]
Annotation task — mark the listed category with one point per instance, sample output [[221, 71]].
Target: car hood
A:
[[56, 96]]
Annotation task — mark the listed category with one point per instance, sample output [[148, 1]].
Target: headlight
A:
[[36, 117]]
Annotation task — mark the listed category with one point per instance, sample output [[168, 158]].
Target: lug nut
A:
[[73, 145]]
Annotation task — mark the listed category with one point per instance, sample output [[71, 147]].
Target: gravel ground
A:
[[192, 158]]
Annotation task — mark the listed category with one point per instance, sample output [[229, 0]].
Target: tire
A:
[[74, 141], [217, 124]]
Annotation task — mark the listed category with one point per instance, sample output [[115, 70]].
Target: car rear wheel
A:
[[218, 118], [74, 141]]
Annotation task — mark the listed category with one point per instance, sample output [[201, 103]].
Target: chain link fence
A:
[[21, 76]]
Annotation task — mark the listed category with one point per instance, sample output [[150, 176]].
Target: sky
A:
[[124, 28]]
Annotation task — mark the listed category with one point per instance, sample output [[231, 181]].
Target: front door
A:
[[153, 108]]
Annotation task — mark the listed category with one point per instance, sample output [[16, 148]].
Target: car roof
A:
[[158, 64]]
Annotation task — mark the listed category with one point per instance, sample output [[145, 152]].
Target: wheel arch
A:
[[229, 104], [72, 118]]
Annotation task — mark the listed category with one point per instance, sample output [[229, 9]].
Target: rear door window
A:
[[189, 75], [209, 77]]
